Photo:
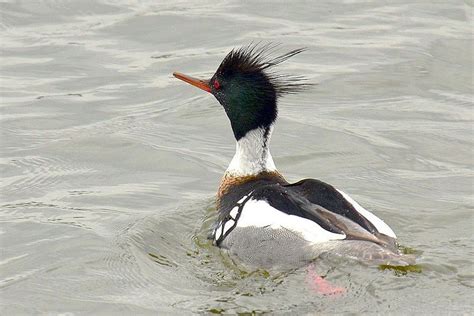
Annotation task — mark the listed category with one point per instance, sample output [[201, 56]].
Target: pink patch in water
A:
[[320, 285]]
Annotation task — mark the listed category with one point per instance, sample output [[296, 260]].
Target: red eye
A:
[[217, 85]]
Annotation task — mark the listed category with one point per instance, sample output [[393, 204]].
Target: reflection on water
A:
[[109, 165]]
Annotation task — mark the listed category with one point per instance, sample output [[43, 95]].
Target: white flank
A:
[[377, 222], [252, 155], [258, 213]]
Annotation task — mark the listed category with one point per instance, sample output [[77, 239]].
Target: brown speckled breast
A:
[[228, 181]]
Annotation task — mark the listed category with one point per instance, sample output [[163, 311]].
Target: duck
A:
[[264, 220]]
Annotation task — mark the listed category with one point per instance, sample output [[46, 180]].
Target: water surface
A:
[[109, 165]]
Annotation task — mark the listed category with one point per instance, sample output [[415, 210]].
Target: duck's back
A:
[[266, 221]]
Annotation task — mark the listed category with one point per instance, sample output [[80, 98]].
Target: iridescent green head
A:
[[247, 88]]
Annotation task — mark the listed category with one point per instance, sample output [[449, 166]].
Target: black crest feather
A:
[[258, 58]]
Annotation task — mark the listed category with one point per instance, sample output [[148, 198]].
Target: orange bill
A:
[[201, 84]]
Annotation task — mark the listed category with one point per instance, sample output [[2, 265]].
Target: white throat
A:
[[252, 155]]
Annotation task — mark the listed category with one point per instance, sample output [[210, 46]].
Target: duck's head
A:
[[247, 88]]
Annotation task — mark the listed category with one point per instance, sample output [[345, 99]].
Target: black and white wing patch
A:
[[377, 222], [336, 201], [315, 211], [271, 207], [227, 224]]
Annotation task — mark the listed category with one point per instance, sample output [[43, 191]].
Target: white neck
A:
[[252, 155]]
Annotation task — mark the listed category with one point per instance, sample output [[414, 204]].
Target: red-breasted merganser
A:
[[263, 219]]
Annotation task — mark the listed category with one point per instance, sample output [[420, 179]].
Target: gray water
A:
[[109, 165]]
